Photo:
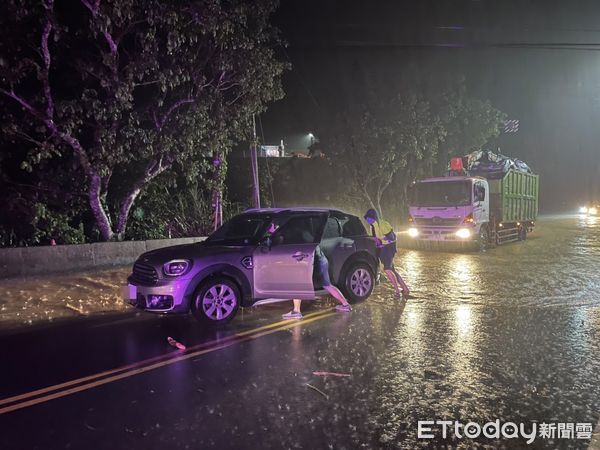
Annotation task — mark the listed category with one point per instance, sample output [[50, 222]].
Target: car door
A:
[[335, 246], [480, 202], [284, 269]]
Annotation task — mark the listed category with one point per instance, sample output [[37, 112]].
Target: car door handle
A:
[[299, 256]]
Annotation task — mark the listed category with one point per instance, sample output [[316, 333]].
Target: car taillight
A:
[[469, 219]]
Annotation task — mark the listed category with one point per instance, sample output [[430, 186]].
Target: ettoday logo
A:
[[430, 429]]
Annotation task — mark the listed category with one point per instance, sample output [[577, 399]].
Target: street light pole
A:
[[254, 164]]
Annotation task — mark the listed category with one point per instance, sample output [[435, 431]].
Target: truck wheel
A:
[[483, 239], [522, 233], [358, 282], [216, 301]]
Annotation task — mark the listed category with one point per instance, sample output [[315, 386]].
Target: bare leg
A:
[[391, 275], [405, 289], [335, 292], [297, 304]]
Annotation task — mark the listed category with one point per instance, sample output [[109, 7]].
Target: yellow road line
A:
[[138, 368], [146, 361]]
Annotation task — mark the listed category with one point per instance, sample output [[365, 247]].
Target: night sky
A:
[[537, 61]]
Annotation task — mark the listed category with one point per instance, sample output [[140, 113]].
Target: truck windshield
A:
[[245, 229], [443, 193]]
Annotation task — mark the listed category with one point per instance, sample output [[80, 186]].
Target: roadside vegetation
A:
[[123, 123]]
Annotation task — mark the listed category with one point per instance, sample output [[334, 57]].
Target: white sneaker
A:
[[292, 315], [343, 308]]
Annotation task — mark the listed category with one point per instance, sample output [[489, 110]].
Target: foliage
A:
[[172, 209], [372, 143], [378, 144], [469, 123], [134, 88], [35, 208], [51, 225]]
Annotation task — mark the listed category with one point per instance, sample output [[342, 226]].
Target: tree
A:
[[133, 88], [372, 143], [469, 123], [392, 142]]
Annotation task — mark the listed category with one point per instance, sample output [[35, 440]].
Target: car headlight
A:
[[583, 210], [176, 267], [593, 210], [413, 232], [463, 233]]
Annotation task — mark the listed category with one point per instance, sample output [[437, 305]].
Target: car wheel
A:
[[216, 301], [359, 282]]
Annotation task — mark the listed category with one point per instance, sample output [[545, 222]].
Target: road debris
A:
[[318, 390], [75, 308], [173, 343], [332, 374]]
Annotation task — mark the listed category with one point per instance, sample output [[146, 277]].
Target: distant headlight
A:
[[593, 210], [413, 232], [583, 210], [463, 233], [176, 267]]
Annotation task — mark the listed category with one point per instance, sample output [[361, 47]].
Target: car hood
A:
[[192, 252]]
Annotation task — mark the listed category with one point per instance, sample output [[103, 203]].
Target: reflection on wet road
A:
[[510, 334]]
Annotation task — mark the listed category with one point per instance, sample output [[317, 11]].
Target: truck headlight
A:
[[593, 211], [176, 267], [463, 233], [413, 232]]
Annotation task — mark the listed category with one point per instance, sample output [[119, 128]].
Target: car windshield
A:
[[445, 193], [245, 229]]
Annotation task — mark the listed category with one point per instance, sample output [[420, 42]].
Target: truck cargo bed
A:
[[514, 197]]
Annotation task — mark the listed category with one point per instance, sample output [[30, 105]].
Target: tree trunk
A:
[[379, 210], [153, 169], [126, 205], [102, 220]]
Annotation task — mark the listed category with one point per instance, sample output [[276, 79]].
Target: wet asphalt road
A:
[[510, 334]]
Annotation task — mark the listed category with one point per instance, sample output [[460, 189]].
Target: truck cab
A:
[[494, 200], [453, 209]]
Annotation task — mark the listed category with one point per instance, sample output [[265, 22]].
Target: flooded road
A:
[[511, 334]]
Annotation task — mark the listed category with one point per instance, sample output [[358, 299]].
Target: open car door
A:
[[284, 268]]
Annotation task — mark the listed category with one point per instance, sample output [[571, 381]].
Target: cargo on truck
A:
[[485, 199]]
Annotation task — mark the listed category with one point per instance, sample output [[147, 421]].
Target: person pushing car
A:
[[385, 238]]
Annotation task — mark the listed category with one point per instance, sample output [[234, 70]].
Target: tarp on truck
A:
[[492, 165]]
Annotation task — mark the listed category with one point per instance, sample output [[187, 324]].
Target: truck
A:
[[483, 209]]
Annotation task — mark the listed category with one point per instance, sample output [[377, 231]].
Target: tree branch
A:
[[47, 61], [93, 7], [25, 105], [236, 99], [159, 123], [111, 43]]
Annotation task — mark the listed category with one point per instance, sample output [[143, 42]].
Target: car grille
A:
[[437, 221], [144, 273]]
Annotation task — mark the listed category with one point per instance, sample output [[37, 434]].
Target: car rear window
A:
[[351, 226]]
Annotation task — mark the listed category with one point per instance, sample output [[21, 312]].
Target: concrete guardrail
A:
[[27, 261]]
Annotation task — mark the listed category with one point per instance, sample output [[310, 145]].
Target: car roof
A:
[[295, 209]]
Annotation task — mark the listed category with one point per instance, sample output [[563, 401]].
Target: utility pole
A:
[[254, 164], [217, 196]]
